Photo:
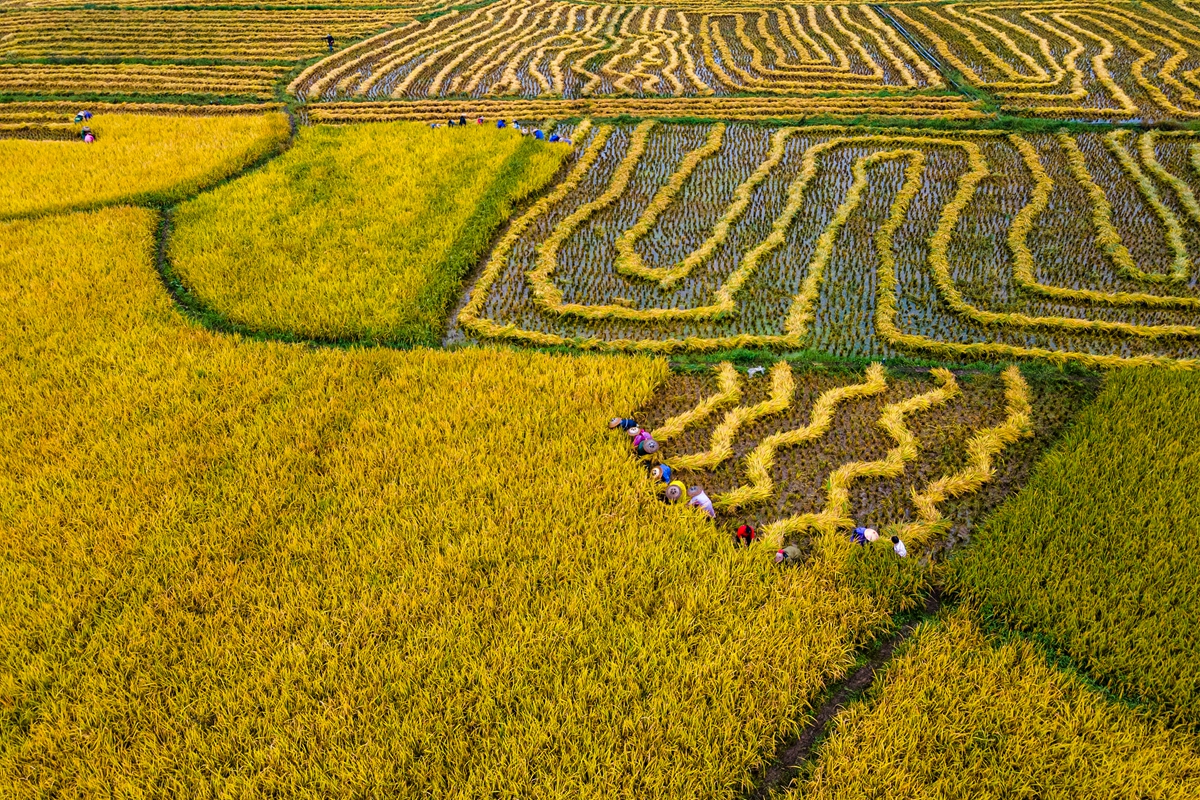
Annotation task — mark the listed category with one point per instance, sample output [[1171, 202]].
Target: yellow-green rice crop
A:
[[958, 715], [361, 232], [141, 159], [1099, 552], [247, 568]]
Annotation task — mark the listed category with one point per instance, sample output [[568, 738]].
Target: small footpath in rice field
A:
[[582, 400]]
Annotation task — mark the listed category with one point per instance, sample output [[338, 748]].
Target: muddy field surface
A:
[[800, 472]]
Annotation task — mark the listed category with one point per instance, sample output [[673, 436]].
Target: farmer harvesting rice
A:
[[700, 500], [622, 423], [898, 546], [643, 442], [675, 491], [862, 536], [745, 535], [788, 556], [87, 135], [662, 473]]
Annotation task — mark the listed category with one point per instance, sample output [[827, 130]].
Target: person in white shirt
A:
[[697, 498], [898, 546]]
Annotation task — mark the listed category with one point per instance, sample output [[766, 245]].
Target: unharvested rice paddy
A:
[[138, 158], [1110, 593], [356, 233], [220, 553], [960, 715]]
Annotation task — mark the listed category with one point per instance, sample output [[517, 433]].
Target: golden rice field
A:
[[150, 79], [961, 715], [244, 36], [1115, 598], [237, 566], [669, 238], [307, 480], [362, 232], [136, 158], [550, 47], [1074, 60]]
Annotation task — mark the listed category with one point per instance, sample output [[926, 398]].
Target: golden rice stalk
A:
[[783, 386], [836, 514], [981, 449], [728, 393], [629, 261], [762, 459]]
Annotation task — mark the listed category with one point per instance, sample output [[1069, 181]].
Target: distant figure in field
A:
[[554, 137], [83, 116], [462, 120], [745, 535], [87, 135], [788, 556], [898, 546], [537, 134], [329, 41], [479, 120], [500, 123]]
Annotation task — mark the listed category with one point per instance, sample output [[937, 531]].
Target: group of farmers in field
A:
[[536, 133], [675, 490]]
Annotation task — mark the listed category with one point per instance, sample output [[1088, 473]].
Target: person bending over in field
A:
[[788, 556], [746, 535], [862, 536], [537, 134], [500, 123], [462, 120], [698, 499], [87, 135], [898, 546]]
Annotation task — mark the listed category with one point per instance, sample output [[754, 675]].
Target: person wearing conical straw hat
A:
[[863, 536], [675, 491]]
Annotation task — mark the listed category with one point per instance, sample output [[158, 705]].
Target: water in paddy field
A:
[[945, 245]]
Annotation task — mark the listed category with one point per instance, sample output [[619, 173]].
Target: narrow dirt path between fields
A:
[[792, 755]]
